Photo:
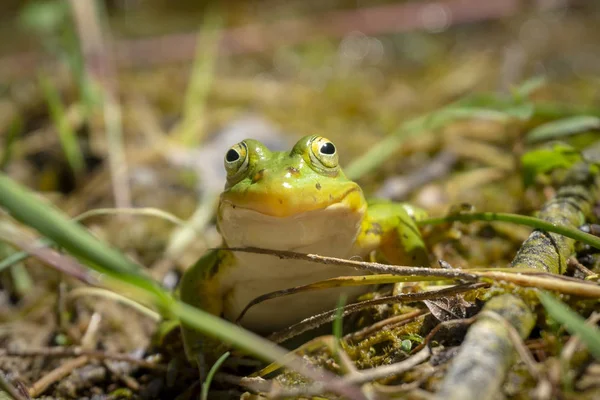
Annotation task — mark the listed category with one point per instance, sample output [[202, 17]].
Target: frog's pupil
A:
[[327, 148], [232, 155]]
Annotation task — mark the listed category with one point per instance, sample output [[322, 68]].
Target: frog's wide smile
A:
[[298, 231], [284, 204]]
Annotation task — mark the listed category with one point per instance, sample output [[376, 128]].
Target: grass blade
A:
[[15, 127], [49, 221], [201, 79], [71, 236], [573, 322], [386, 148], [338, 325], [211, 374], [564, 127], [66, 134], [533, 222]]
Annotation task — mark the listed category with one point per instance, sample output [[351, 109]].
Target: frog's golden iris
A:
[[299, 201]]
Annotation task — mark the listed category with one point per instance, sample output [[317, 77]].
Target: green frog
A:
[[298, 200]]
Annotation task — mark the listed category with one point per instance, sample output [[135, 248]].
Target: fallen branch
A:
[[487, 352]]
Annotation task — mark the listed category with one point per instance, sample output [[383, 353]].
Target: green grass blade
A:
[[25, 207], [19, 256], [21, 279], [527, 88], [259, 347], [146, 211], [573, 322], [338, 325], [71, 236], [13, 259], [67, 136], [211, 374], [15, 128], [383, 150], [563, 127], [201, 78], [227, 332], [533, 222]]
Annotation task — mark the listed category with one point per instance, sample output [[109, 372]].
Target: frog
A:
[[301, 201]]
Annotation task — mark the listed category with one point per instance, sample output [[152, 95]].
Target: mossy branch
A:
[[569, 208], [488, 351]]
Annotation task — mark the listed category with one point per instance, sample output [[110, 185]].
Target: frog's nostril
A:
[[258, 176]]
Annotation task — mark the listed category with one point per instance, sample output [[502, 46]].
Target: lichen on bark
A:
[[570, 207]]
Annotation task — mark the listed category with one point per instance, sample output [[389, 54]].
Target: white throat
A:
[[331, 232]]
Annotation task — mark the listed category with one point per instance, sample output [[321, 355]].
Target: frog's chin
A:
[[331, 230]]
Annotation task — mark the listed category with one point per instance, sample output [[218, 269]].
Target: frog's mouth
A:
[[287, 205], [308, 229]]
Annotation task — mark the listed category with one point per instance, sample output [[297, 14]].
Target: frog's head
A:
[[289, 193]]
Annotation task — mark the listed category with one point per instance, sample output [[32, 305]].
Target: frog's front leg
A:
[[390, 232], [198, 289], [390, 229]]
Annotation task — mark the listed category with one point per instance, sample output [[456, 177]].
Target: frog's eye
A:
[[323, 152], [236, 159]]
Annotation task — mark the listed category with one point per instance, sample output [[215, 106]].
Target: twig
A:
[[319, 319], [389, 370], [108, 294], [573, 263], [385, 324], [56, 375], [128, 380], [527, 277], [567, 210], [434, 331], [346, 363], [256, 384], [547, 281], [310, 391], [405, 387], [479, 368], [12, 391], [89, 339], [543, 389], [376, 268], [61, 262], [358, 377], [77, 351], [517, 342]]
